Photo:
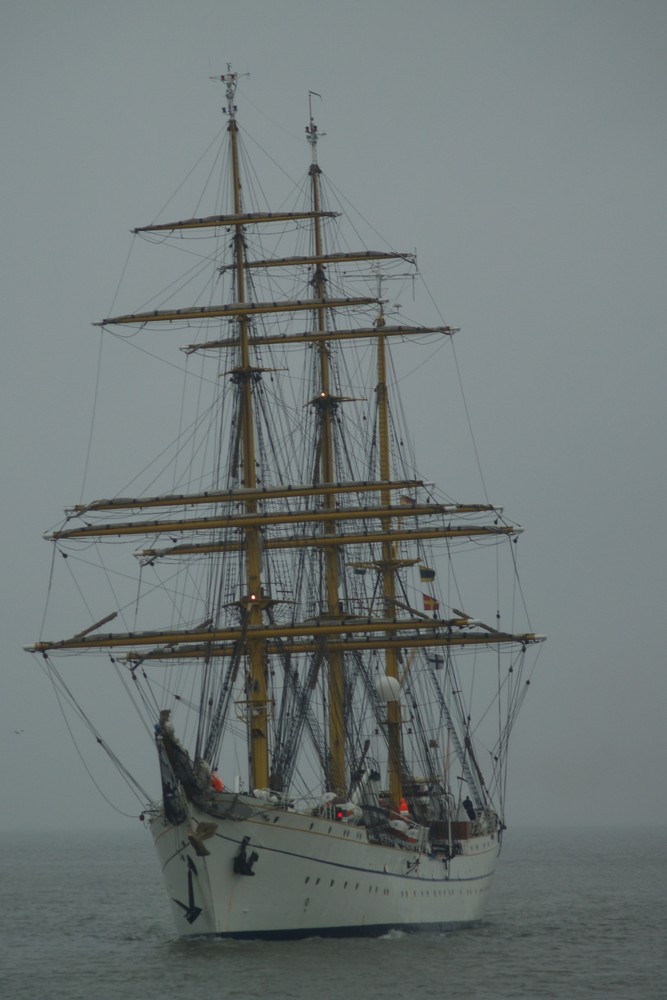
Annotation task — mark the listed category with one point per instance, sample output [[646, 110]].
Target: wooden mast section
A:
[[252, 604], [325, 404], [388, 567]]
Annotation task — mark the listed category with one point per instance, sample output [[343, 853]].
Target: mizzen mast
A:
[[388, 567]]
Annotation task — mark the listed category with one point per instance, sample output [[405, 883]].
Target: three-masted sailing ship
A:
[[306, 675]]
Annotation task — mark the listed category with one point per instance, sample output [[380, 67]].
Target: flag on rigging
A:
[[430, 603], [426, 573]]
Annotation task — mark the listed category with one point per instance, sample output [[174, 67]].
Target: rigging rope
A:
[[60, 688]]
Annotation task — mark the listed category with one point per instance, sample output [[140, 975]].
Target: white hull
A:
[[314, 876]]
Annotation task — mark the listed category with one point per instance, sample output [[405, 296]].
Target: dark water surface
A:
[[574, 914]]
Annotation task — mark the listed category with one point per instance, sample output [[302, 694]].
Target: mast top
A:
[[312, 134], [230, 80]]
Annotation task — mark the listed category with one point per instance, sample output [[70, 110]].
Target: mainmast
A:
[[325, 405], [244, 375]]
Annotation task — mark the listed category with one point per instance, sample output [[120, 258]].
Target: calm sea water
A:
[[574, 914]]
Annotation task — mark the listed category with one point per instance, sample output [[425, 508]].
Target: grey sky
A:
[[520, 146]]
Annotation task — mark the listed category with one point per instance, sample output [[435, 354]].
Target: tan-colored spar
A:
[[311, 336], [256, 520], [319, 541], [237, 219], [239, 309], [355, 257], [442, 633], [212, 651], [261, 493]]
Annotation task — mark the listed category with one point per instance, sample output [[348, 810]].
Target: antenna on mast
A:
[[230, 80], [311, 128]]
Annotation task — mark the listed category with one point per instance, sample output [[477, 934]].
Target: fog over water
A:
[[520, 146]]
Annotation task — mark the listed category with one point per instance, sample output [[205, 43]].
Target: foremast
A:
[[252, 604]]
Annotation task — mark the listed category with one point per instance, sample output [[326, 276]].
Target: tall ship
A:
[[328, 704]]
